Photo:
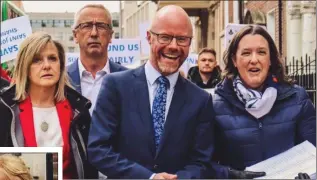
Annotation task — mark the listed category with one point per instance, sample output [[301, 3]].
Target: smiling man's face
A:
[[167, 58]]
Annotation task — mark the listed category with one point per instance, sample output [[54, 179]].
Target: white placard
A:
[[124, 51], [13, 32], [145, 47], [286, 165]]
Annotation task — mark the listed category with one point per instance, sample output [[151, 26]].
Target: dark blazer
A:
[[121, 140], [73, 73]]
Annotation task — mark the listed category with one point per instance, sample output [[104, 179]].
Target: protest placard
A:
[[13, 32], [123, 51]]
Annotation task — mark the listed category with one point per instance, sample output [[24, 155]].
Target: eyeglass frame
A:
[[173, 36], [94, 24]]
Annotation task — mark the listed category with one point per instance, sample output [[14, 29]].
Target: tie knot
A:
[[163, 80]]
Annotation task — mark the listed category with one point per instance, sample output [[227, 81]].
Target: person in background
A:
[[13, 168], [150, 122], [92, 31], [260, 113], [44, 109], [207, 74]]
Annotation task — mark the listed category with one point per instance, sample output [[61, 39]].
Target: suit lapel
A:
[[173, 116], [73, 72], [141, 93], [112, 67]]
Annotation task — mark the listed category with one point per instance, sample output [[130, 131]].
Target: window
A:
[[71, 49], [116, 35], [49, 23], [71, 38], [270, 24], [68, 23], [36, 23], [59, 23], [43, 24], [115, 23]]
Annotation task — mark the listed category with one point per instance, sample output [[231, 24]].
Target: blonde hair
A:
[[14, 166], [100, 6], [29, 49]]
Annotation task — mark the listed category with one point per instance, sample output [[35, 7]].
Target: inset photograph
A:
[[26, 165]]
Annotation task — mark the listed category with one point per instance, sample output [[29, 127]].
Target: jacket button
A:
[[155, 166]]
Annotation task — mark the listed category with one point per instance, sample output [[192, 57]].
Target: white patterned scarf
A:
[[256, 103]]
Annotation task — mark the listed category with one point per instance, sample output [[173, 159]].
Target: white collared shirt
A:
[[90, 86], [151, 75]]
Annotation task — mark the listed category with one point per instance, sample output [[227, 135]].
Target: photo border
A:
[[58, 150]]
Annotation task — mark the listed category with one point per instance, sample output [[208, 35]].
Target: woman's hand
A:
[[235, 174], [302, 176]]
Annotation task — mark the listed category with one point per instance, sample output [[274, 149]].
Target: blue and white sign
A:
[[13, 32], [125, 51], [71, 57]]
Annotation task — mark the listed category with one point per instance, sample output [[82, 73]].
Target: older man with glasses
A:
[[150, 122], [92, 31]]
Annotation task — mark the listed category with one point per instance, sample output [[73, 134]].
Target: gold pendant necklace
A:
[[44, 126]]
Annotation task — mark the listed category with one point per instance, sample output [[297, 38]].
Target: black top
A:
[[194, 76]]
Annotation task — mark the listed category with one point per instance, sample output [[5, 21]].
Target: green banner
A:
[[4, 10], [4, 16]]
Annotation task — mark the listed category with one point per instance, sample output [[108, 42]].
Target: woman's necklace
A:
[[44, 124]]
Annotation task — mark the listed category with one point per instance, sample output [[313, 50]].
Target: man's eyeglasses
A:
[[88, 26], [167, 39]]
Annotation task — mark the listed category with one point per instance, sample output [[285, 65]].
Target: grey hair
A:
[[100, 6]]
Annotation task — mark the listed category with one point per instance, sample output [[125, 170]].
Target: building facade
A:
[[292, 24], [58, 25], [115, 25], [136, 15]]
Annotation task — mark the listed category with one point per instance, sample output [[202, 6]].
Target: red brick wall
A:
[[265, 7]]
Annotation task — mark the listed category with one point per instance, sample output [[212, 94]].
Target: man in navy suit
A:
[[92, 31], [150, 122]]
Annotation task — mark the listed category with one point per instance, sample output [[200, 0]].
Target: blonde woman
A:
[[41, 109], [13, 168]]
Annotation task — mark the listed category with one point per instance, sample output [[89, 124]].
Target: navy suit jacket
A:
[[73, 73], [121, 138]]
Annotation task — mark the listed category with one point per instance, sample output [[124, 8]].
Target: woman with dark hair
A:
[[259, 111]]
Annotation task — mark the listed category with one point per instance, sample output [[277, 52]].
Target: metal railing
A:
[[303, 71]]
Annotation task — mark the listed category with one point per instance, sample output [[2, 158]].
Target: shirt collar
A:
[[82, 69], [152, 74]]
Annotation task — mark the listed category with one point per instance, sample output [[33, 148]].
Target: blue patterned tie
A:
[[158, 108]]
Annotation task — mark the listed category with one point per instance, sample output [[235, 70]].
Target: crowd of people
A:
[[151, 122]]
